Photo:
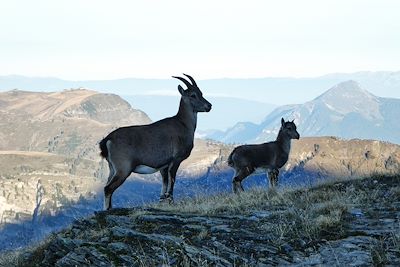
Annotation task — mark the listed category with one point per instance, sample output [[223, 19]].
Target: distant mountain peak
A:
[[348, 83], [347, 97], [346, 90]]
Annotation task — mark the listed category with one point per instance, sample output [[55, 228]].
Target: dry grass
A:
[[12, 258], [379, 253], [16, 258], [395, 191], [321, 198], [224, 203], [395, 238], [305, 213]]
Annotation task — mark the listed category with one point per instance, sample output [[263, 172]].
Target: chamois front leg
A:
[[164, 174], [172, 169], [273, 177]]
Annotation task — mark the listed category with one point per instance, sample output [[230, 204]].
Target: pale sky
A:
[[95, 39]]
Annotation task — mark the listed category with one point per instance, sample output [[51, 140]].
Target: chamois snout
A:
[[208, 107], [204, 105]]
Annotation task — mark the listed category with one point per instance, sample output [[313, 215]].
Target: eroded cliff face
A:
[[332, 224], [333, 157]]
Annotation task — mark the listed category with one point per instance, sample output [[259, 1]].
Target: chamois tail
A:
[[103, 148], [230, 160]]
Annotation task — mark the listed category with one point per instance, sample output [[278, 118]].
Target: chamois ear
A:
[[283, 122], [181, 90]]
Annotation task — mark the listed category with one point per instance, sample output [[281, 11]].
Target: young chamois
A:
[[160, 146], [269, 156]]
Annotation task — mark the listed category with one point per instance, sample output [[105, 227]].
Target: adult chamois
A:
[[160, 146], [269, 156]]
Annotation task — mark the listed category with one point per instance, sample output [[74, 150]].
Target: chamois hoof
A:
[[167, 198], [170, 200], [237, 187]]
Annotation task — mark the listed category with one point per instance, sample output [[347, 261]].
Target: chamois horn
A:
[[183, 80], [191, 79]]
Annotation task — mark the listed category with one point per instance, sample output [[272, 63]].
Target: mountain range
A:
[[243, 99], [345, 110]]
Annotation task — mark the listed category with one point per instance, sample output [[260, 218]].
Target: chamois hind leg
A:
[[121, 172], [164, 174], [112, 171], [273, 177], [240, 175]]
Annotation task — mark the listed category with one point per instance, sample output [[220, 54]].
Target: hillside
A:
[[68, 123], [346, 110], [331, 224]]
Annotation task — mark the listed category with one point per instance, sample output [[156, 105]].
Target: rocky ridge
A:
[[345, 223]]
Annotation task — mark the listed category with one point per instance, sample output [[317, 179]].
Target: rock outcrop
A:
[[347, 223]]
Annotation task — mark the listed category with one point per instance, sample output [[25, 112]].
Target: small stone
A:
[[269, 249], [302, 243], [349, 246], [221, 228], [128, 261], [113, 220], [105, 239], [84, 256], [119, 248], [287, 248], [356, 212], [59, 247], [194, 227]]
